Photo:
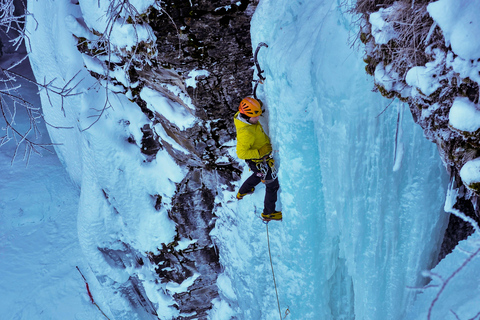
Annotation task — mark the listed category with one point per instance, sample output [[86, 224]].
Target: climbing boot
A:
[[241, 195], [277, 215]]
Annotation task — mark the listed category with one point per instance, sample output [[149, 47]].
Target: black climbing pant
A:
[[271, 186]]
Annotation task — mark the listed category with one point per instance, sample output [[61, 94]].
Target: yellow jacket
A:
[[250, 138]]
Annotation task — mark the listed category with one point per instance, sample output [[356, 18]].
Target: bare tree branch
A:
[[445, 283], [11, 99], [119, 13]]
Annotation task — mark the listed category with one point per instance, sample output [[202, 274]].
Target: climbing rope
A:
[[287, 311], [273, 273], [90, 294]]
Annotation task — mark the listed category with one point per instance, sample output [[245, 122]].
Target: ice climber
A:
[[253, 145]]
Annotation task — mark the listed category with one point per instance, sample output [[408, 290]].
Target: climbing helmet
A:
[[250, 107]]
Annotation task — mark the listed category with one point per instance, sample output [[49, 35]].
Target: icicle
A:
[[430, 33], [450, 201], [398, 150]]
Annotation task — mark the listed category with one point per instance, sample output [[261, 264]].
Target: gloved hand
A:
[[265, 150], [271, 162]]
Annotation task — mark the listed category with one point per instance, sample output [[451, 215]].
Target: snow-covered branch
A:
[[126, 46], [11, 100], [446, 281], [12, 25]]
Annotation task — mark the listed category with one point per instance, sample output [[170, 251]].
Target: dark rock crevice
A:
[[213, 36]]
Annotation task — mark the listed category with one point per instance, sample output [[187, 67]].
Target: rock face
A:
[[202, 57], [407, 55], [211, 36]]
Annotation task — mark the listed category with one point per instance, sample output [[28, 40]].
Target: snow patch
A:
[[464, 115], [423, 79], [225, 285], [470, 172], [127, 36], [426, 78], [386, 77], [465, 68], [382, 30], [460, 25], [221, 310], [184, 243], [93, 64], [94, 11], [174, 112], [191, 81], [174, 287]]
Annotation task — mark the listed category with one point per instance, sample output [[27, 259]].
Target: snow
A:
[[122, 35], [93, 64], [95, 18], [460, 25], [422, 78], [464, 115], [221, 310], [356, 237], [126, 36], [227, 7], [184, 243], [173, 111], [382, 29], [101, 152], [465, 68], [192, 77], [427, 78], [39, 248], [470, 172], [386, 77], [182, 287]]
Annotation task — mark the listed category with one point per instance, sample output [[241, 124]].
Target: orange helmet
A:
[[250, 107]]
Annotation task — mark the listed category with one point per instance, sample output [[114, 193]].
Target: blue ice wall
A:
[[356, 234]]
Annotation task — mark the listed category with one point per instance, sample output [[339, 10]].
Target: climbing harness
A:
[[259, 70], [90, 294], [263, 165]]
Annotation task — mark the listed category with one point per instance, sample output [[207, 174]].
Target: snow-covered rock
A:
[[464, 115], [459, 22], [422, 78], [382, 27], [470, 174]]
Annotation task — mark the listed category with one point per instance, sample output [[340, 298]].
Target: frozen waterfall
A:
[[356, 234]]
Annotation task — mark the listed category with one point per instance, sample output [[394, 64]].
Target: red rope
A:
[[89, 293]]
